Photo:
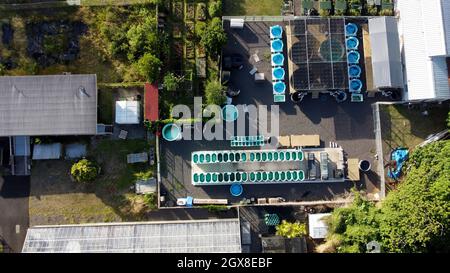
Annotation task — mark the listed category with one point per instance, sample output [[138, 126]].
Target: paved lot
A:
[[350, 125], [14, 192]]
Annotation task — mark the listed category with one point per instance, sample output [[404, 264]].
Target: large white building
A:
[[424, 29]]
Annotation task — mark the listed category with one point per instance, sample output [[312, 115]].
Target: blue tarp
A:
[[399, 155]]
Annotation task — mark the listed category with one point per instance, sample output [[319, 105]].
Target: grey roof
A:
[[48, 105], [222, 235], [386, 58], [278, 244]]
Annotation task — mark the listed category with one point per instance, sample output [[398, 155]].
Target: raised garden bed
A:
[[190, 11]]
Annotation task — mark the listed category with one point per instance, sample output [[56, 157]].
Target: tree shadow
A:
[[233, 7]]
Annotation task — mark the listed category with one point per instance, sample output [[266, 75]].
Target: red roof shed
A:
[[151, 102]]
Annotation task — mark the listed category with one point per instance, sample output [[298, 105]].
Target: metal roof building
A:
[[424, 29], [199, 236], [386, 58], [48, 105]]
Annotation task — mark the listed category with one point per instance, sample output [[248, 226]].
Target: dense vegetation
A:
[[84, 171], [291, 230], [131, 36], [415, 218]]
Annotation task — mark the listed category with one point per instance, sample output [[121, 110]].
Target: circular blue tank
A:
[[230, 113], [278, 59], [277, 45], [279, 87], [276, 31], [278, 73], [355, 85], [351, 29], [352, 43], [171, 132], [353, 57], [354, 71], [236, 189]]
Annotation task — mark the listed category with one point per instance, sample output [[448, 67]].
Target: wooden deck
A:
[[368, 59]]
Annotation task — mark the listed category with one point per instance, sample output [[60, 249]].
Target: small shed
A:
[[146, 186], [137, 158], [237, 23], [318, 229], [75, 150], [127, 112], [47, 151]]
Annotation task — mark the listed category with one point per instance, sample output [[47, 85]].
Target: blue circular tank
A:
[[278, 73], [276, 31], [230, 113], [352, 43], [351, 29], [353, 57], [236, 189], [354, 71], [278, 59], [355, 85], [277, 45], [279, 87], [171, 132]]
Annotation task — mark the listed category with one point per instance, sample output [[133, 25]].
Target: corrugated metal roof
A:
[[48, 105], [157, 237], [423, 73], [386, 58]]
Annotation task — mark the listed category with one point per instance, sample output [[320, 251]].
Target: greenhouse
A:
[[199, 236]]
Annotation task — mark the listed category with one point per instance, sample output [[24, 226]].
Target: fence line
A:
[[379, 148]]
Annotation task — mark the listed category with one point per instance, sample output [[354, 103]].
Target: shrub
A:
[[372, 10], [214, 93], [148, 67], [171, 82], [201, 12], [214, 37], [324, 12], [386, 12], [84, 171], [291, 230], [215, 8], [353, 12], [216, 208]]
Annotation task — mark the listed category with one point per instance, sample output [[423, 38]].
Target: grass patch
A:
[[402, 127], [105, 106], [252, 7]]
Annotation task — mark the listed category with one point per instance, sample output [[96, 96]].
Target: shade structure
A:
[[276, 32], [279, 87], [127, 112], [277, 59], [276, 45]]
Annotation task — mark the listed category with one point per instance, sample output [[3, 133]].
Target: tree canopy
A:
[[148, 67], [214, 93], [214, 37], [413, 218]]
